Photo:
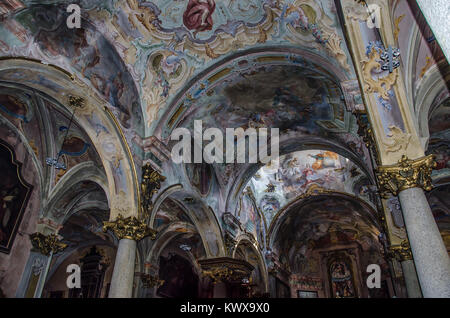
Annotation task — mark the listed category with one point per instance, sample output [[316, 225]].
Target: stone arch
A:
[[160, 199], [247, 239], [203, 217], [368, 211], [427, 98], [95, 118], [85, 171], [165, 237]]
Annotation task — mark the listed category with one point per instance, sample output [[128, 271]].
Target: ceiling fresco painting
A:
[[166, 42], [269, 96], [170, 212], [274, 188], [86, 51]]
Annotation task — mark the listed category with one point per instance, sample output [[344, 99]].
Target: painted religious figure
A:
[[341, 280], [198, 15], [14, 194]]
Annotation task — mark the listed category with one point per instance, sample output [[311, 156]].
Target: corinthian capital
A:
[[401, 252], [129, 228], [47, 243], [406, 174]]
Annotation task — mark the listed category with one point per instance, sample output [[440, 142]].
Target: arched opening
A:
[[82, 209], [257, 283], [322, 245], [172, 259]]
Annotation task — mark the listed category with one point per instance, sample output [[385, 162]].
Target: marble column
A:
[[411, 281], [408, 179], [402, 253], [35, 274], [430, 254], [123, 274], [128, 231]]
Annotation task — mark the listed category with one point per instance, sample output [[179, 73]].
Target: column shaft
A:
[[430, 255], [411, 281], [123, 274]]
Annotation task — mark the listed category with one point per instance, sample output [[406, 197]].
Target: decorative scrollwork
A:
[[401, 252], [150, 281], [151, 183], [381, 85], [405, 175], [47, 243], [129, 228]]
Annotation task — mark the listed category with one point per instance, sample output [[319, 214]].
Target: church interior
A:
[[359, 91]]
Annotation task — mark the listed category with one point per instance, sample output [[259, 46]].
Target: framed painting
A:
[[14, 195]]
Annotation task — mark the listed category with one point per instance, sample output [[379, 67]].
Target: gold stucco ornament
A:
[[151, 183], [406, 174], [47, 243], [226, 269], [150, 281], [129, 228], [401, 252], [379, 85]]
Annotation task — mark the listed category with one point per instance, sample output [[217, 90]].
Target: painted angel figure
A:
[[198, 15]]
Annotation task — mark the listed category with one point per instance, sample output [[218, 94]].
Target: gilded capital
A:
[[150, 281], [401, 252], [47, 243], [76, 101], [406, 174], [129, 228]]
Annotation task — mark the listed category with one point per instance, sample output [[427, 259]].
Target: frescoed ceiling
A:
[[321, 222], [170, 212], [139, 54], [439, 202], [278, 96], [44, 127], [85, 226], [298, 172], [281, 90]]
